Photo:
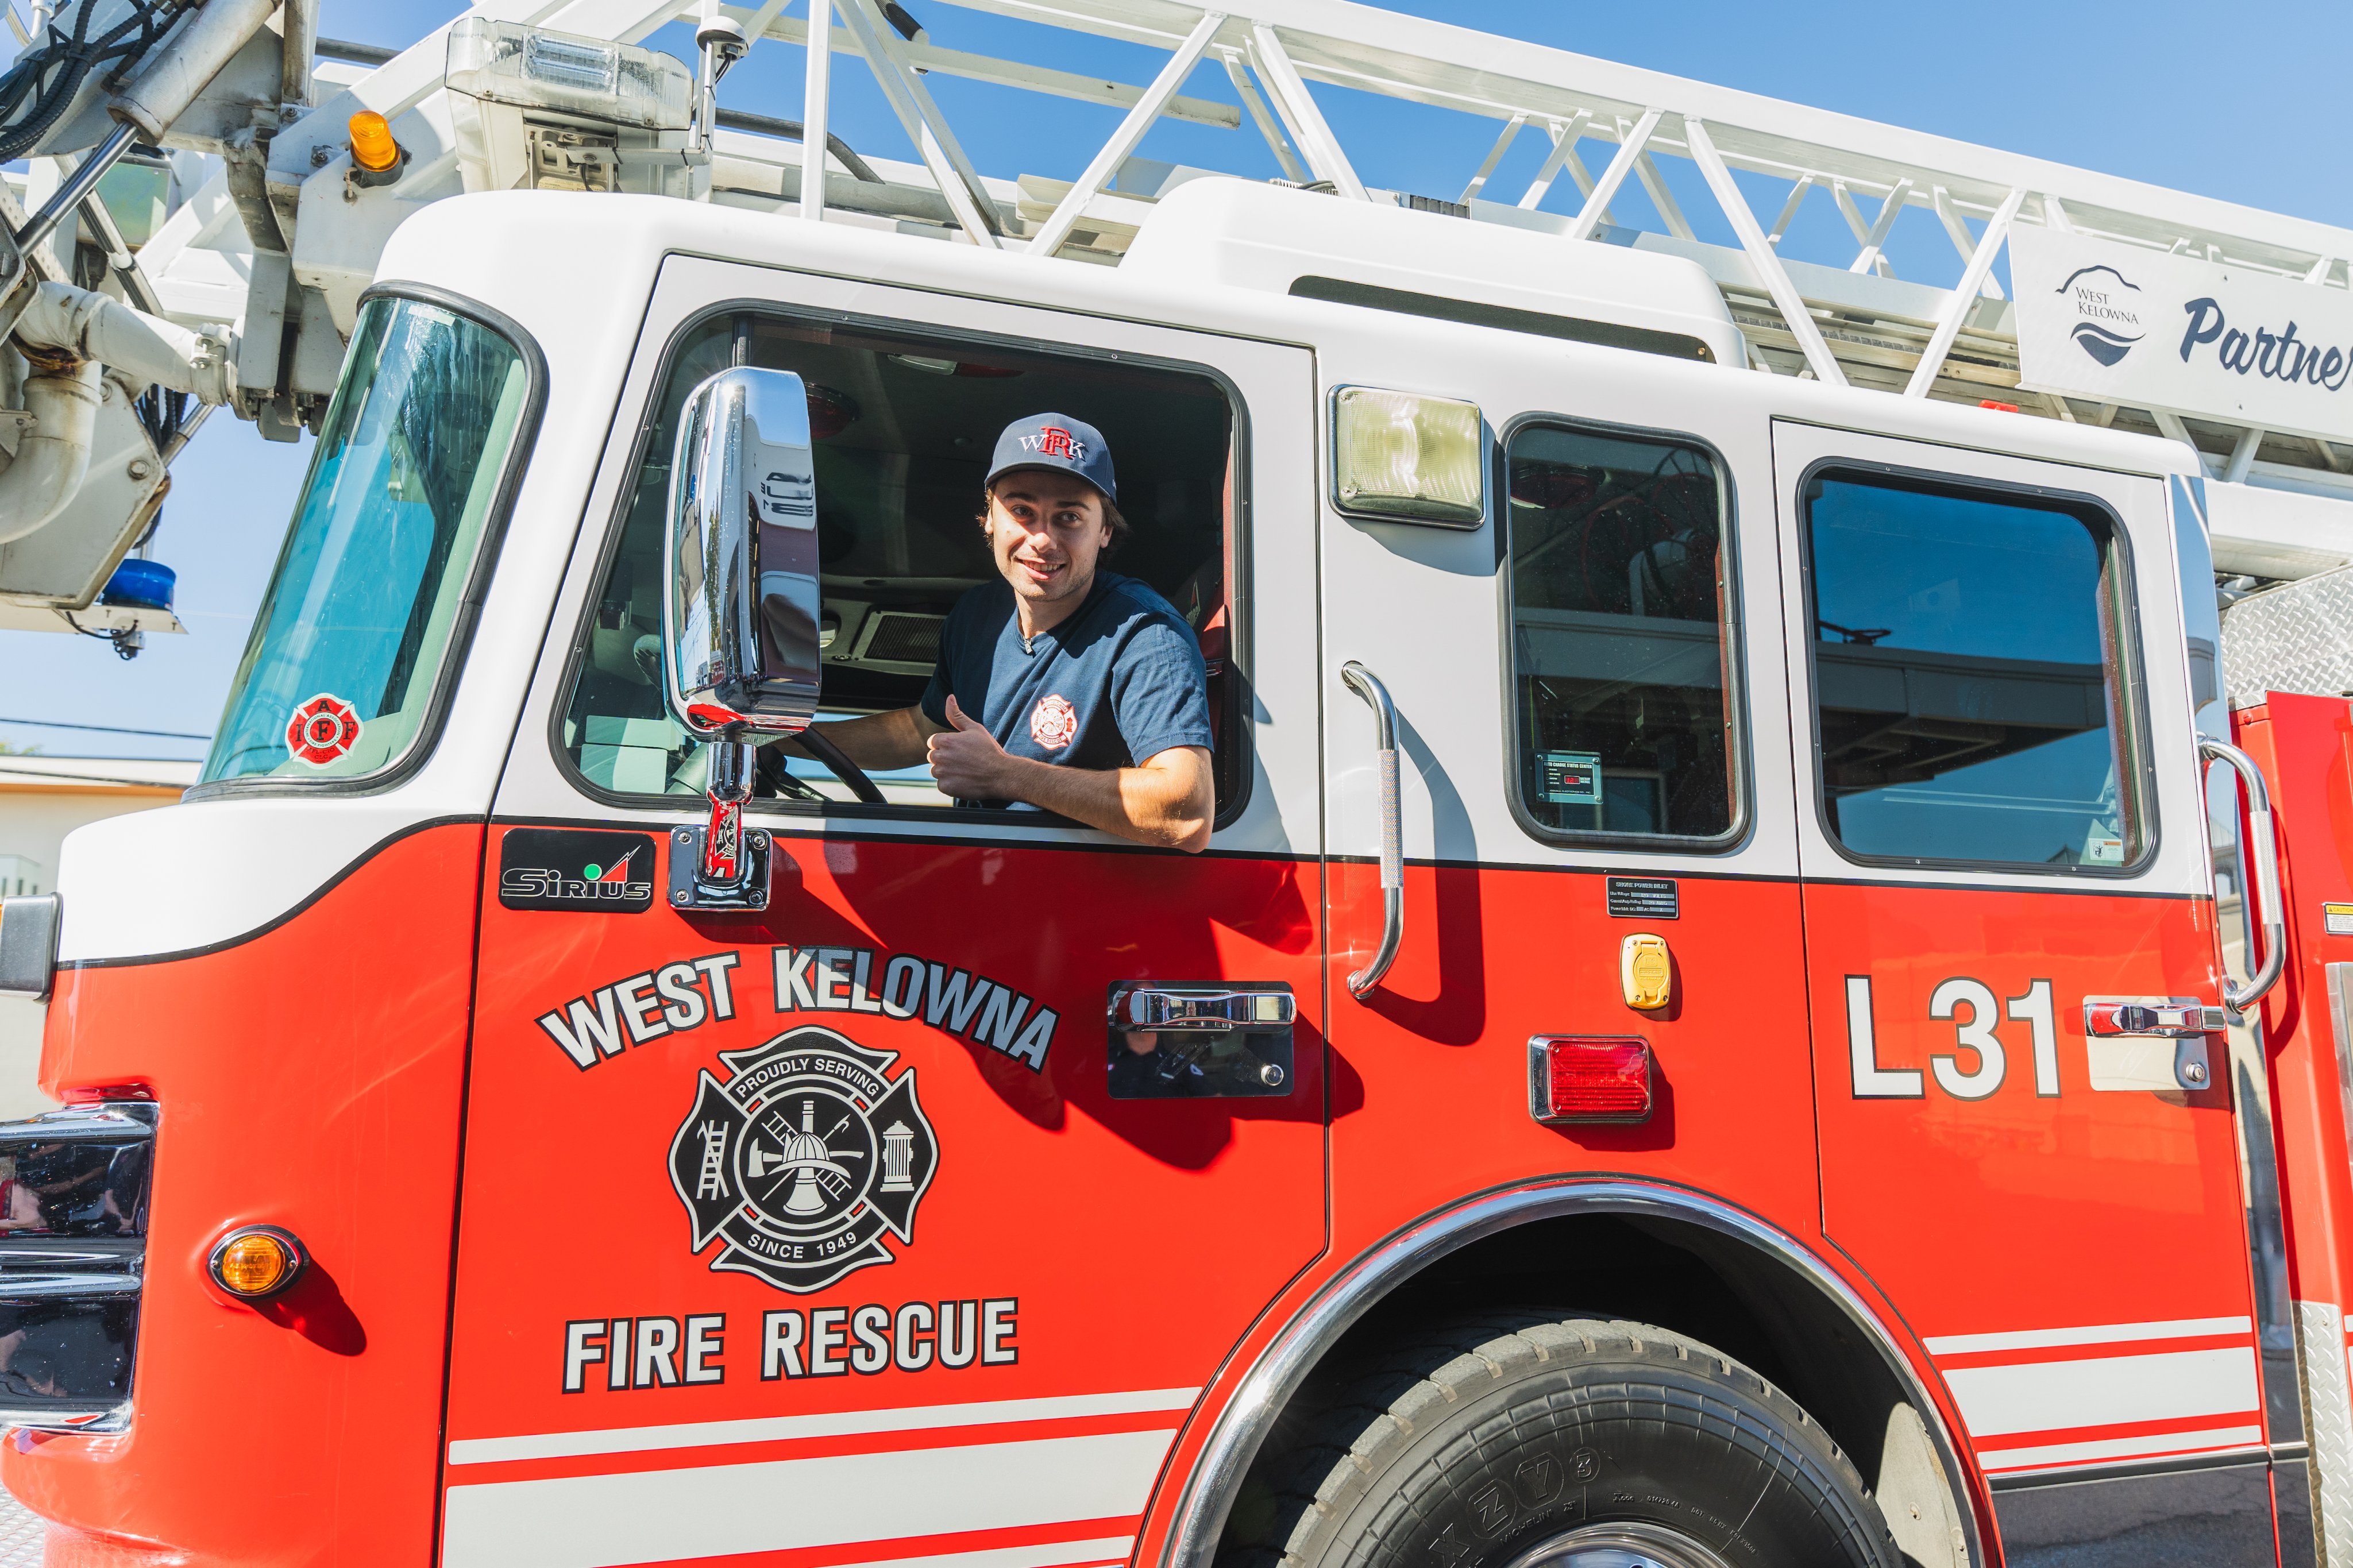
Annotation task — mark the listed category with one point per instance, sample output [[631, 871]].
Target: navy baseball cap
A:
[[1056, 441]]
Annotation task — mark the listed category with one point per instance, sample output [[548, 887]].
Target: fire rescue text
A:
[[678, 1353]]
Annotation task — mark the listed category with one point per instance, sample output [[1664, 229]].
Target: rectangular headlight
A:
[[531, 68], [1414, 458]]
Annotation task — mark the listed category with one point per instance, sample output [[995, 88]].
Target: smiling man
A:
[[1064, 686]]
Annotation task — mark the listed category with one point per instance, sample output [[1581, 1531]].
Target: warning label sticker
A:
[[1645, 898]]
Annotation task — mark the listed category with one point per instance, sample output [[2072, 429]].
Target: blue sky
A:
[[2244, 103]]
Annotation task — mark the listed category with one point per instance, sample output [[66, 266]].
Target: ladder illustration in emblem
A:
[[708, 1182]]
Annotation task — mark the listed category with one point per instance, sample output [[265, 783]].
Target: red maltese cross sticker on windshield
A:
[[321, 730], [1052, 723]]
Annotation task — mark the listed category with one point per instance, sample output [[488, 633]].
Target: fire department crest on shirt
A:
[[1053, 721], [802, 1158]]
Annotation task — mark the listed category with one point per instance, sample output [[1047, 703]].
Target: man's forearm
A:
[[880, 742], [1151, 805]]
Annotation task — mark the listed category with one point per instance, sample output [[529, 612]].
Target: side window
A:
[[1971, 696], [904, 428], [1622, 655]]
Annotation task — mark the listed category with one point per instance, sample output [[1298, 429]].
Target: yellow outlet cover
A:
[[1647, 972]]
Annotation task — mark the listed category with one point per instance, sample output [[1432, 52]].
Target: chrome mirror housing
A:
[[740, 620]]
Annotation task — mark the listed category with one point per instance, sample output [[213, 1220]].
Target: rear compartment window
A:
[[1621, 646], [903, 431], [1970, 650]]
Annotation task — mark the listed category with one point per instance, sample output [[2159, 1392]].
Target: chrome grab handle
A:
[[1147, 1007], [2171, 1017], [1367, 684], [2267, 876]]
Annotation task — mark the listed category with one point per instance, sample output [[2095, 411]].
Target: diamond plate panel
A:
[[21, 1534], [2328, 1404], [2297, 637]]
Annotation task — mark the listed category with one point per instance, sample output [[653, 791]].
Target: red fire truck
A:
[[1702, 1036]]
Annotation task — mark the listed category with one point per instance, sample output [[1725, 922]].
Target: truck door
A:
[[1624, 781], [2007, 906], [848, 1226]]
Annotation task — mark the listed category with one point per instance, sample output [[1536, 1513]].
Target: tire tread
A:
[[1338, 1439]]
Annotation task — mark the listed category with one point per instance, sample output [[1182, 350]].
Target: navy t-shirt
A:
[[1116, 683]]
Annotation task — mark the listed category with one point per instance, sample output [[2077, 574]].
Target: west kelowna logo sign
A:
[[803, 1158], [2117, 323], [2109, 317]]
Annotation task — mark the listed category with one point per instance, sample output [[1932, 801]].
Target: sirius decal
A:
[[802, 1159], [321, 730], [558, 869], [901, 985]]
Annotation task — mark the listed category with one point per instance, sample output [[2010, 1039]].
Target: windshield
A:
[[348, 650]]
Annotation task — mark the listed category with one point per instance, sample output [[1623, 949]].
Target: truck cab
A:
[[1700, 850]]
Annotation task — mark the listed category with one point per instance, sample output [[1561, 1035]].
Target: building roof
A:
[[83, 775]]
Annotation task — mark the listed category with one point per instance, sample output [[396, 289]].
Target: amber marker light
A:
[[254, 1262], [373, 148]]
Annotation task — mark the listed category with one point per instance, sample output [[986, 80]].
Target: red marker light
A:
[[1997, 406], [1588, 1077]]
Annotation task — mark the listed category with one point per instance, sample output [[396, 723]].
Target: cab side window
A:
[[1970, 653], [1621, 654], [904, 428]]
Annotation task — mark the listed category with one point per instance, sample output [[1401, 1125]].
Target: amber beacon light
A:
[[374, 151], [254, 1262]]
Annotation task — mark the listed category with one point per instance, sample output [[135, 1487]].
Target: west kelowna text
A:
[[668, 999], [672, 998], [987, 1012]]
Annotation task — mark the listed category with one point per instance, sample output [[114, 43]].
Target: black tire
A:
[[1473, 1444]]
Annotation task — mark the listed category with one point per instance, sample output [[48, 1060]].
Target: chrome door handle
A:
[[1367, 684], [2266, 877], [1143, 1006], [2171, 1017]]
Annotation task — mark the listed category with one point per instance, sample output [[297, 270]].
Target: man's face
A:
[[1047, 529]]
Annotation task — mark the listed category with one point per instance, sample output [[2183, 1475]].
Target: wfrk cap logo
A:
[[1055, 441], [803, 1158]]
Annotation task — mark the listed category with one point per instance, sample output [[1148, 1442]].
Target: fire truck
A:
[[1769, 986]]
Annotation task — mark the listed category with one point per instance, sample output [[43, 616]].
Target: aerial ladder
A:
[[212, 184]]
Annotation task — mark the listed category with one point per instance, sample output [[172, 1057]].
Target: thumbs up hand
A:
[[967, 761]]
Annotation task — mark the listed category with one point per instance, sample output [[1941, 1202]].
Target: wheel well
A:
[[1719, 1289]]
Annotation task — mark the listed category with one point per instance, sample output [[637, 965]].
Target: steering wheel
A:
[[772, 779], [814, 742]]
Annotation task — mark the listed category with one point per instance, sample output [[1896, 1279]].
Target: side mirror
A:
[[740, 618], [740, 621]]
